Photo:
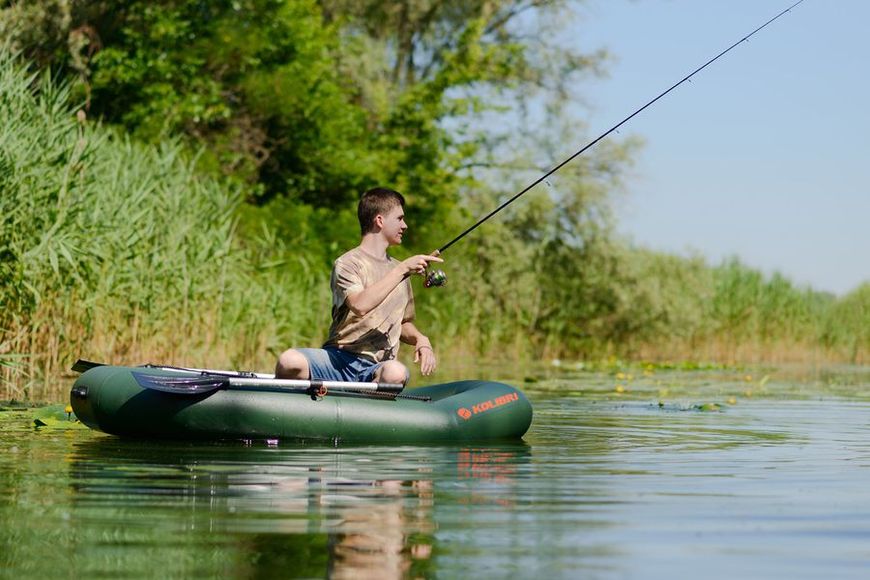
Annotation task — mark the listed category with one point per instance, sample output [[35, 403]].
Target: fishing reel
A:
[[435, 279]]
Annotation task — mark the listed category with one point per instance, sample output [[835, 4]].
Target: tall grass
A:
[[733, 313], [114, 251], [602, 297]]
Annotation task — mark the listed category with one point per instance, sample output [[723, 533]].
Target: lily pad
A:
[[56, 417]]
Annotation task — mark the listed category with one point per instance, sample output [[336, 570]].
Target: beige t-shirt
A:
[[375, 335]]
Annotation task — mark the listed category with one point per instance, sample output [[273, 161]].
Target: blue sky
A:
[[766, 154]]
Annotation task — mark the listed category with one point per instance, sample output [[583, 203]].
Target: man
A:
[[372, 305]]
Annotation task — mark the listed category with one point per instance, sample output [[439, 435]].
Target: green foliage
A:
[[253, 80], [190, 213], [314, 102]]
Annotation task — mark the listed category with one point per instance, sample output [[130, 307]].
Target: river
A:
[[720, 473]]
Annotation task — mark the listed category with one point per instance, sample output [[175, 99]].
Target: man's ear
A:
[[379, 221]]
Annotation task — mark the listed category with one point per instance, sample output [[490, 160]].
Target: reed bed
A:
[[114, 251]]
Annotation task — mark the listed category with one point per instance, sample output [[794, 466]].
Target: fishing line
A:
[[438, 278]]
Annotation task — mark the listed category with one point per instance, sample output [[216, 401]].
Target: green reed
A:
[[114, 251], [624, 301]]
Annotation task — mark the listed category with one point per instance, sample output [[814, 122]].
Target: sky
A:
[[765, 154]]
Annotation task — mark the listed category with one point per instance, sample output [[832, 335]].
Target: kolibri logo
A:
[[487, 405]]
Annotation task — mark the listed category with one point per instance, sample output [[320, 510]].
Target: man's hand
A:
[[424, 355], [418, 264]]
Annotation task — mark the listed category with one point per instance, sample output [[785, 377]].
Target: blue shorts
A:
[[332, 364]]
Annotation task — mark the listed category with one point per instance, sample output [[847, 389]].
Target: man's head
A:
[[378, 209]]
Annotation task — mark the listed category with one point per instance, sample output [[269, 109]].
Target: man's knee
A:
[[393, 372], [292, 364]]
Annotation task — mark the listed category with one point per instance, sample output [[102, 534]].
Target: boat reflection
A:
[[291, 510]]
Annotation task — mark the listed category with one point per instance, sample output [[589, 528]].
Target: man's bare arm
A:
[[366, 300]]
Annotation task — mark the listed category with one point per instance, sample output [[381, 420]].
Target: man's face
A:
[[394, 225]]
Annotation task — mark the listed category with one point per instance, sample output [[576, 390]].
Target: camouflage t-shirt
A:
[[375, 335]]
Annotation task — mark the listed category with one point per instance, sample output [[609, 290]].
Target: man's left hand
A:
[[424, 355]]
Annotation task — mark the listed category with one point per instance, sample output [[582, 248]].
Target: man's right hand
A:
[[418, 264]]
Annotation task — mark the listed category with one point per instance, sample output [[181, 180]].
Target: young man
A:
[[372, 305]]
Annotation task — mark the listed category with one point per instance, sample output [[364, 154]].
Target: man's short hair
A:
[[378, 200]]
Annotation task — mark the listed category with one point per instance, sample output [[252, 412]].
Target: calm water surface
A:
[[605, 485]]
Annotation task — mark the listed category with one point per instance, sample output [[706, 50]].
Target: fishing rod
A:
[[436, 278]]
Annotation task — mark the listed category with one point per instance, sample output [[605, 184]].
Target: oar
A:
[[208, 383], [213, 380], [83, 365]]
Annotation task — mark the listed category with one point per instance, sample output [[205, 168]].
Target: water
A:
[[605, 485]]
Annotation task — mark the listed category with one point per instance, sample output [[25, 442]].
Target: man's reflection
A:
[[384, 539], [304, 513]]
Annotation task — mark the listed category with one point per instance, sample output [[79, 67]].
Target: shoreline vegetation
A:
[[124, 242]]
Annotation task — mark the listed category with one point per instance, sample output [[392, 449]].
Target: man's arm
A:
[[366, 300], [423, 352]]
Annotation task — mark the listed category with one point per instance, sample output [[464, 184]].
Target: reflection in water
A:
[[260, 511], [604, 489], [382, 540]]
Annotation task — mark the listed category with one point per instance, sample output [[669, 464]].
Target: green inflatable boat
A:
[[170, 402]]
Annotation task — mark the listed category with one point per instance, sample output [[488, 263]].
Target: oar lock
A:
[[317, 390]]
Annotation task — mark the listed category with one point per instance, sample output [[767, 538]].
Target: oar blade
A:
[[83, 365], [181, 385]]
